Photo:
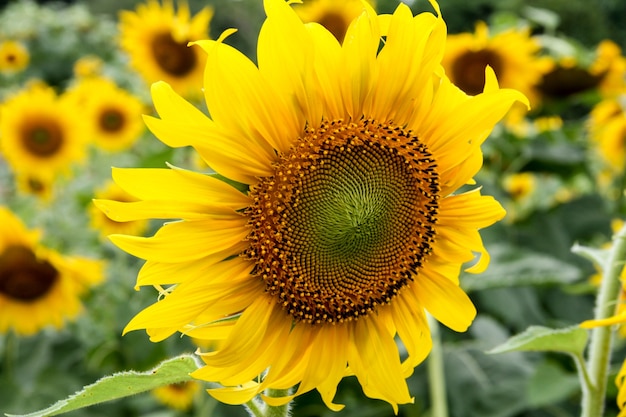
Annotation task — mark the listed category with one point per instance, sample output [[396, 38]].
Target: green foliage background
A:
[[534, 278]]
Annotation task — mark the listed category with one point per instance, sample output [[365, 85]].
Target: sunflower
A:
[[335, 222], [38, 286], [107, 226], [610, 65], [14, 56], [39, 132], [113, 113], [88, 66], [611, 142], [520, 185], [513, 54], [177, 396], [40, 185], [155, 37], [333, 15]]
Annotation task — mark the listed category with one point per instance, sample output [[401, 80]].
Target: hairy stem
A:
[[601, 337]]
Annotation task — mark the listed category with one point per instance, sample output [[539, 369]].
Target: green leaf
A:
[[123, 384], [597, 256], [543, 339], [551, 384], [513, 266]]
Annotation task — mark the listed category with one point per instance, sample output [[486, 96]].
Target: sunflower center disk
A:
[[174, 58], [111, 120], [346, 220], [22, 276], [42, 139]]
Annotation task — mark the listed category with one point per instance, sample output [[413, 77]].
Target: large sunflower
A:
[[513, 55], [38, 286], [155, 37], [114, 114], [39, 132], [348, 227]]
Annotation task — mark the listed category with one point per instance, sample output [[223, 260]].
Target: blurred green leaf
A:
[[470, 374], [122, 385], [597, 256], [543, 339], [551, 384], [512, 266]]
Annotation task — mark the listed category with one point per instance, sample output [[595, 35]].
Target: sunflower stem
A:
[[255, 408], [436, 374], [601, 337], [281, 410], [258, 408]]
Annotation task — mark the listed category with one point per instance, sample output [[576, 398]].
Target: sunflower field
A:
[[271, 208]]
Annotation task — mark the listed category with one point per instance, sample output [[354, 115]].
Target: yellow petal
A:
[[470, 210], [410, 320], [185, 240], [285, 55], [444, 300], [181, 185], [236, 395], [359, 50], [241, 100], [374, 358], [233, 157]]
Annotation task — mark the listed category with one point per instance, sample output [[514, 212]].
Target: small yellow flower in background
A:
[[38, 184], [348, 229], [333, 15], [155, 37], [114, 114], [88, 66], [106, 226], [524, 127], [513, 54], [14, 57], [38, 286], [177, 396], [40, 133], [520, 185]]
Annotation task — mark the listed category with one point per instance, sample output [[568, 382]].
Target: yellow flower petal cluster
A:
[[335, 223], [38, 286], [155, 37]]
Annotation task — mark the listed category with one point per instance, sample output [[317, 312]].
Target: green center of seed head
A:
[[349, 221]]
